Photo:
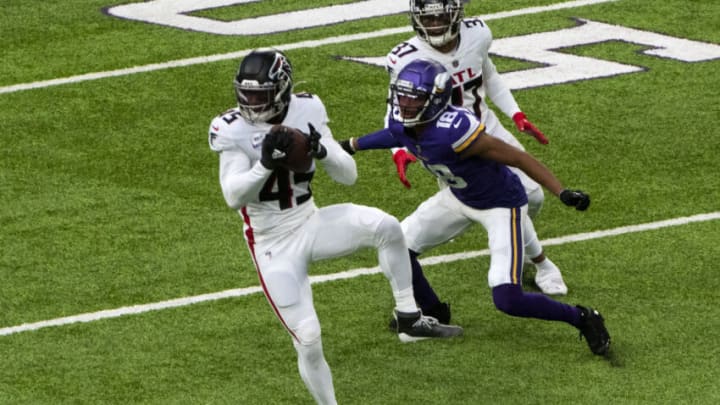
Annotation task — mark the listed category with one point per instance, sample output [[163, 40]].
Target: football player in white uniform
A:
[[461, 45], [283, 227]]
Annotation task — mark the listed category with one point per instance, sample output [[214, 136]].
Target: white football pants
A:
[[510, 232], [332, 231]]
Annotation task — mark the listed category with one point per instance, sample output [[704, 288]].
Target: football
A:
[[298, 157]]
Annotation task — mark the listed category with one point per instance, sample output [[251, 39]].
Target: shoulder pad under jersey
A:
[[219, 133]]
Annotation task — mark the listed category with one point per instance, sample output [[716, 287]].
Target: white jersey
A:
[[473, 72], [273, 202]]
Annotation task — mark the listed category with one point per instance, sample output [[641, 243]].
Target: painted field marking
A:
[[296, 45], [429, 261]]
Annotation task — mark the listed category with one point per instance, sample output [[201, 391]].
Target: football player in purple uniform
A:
[[452, 144], [285, 231], [461, 45]]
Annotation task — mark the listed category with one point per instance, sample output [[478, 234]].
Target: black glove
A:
[[347, 146], [275, 148], [317, 150], [575, 198]]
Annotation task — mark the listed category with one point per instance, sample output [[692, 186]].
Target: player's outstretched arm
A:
[[488, 147], [381, 139]]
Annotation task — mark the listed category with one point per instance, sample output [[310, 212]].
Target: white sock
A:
[[405, 300], [545, 265]]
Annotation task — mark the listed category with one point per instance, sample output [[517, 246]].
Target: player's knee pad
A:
[[283, 287], [507, 298], [410, 231], [310, 355], [388, 231], [307, 332], [536, 198]]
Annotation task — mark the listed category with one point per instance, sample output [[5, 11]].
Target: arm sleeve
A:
[[497, 90], [338, 164], [240, 181], [381, 139]]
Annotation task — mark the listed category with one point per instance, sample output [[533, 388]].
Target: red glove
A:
[[402, 159], [523, 125]]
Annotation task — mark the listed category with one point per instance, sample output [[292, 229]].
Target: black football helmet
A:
[[436, 22], [263, 85]]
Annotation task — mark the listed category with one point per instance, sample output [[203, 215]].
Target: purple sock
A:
[[511, 299], [424, 294]]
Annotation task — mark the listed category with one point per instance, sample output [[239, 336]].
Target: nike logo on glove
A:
[[278, 154]]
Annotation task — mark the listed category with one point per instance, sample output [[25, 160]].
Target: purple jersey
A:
[[476, 182]]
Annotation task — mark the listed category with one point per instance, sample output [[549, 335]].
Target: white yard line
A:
[[240, 292], [297, 45]]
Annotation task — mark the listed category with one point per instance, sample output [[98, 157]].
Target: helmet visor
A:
[[435, 24], [256, 102], [411, 105], [256, 98]]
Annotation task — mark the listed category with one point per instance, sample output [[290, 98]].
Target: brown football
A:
[[298, 158]]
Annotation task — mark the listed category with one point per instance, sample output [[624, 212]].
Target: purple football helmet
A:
[[421, 92]]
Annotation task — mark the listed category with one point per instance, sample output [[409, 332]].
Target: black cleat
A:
[[392, 325], [592, 326], [441, 312], [414, 326]]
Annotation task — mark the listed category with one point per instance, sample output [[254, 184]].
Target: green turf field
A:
[[109, 201]]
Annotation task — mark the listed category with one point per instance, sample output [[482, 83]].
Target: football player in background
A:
[[283, 227], [452, 144], [461, 45]]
